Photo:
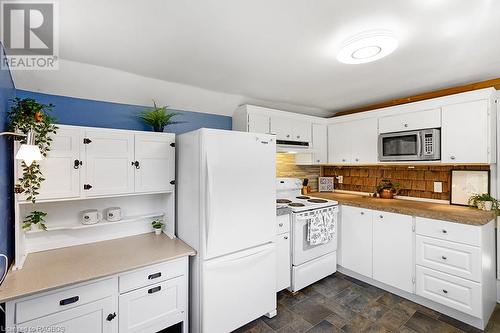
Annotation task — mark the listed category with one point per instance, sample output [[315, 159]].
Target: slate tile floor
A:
[[340, 303]]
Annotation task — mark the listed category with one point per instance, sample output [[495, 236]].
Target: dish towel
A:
[[316, 230], [329, 220]]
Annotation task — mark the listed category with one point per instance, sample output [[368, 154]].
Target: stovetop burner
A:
[[283, 201], [317, 201], [296, 204], [303, 197]]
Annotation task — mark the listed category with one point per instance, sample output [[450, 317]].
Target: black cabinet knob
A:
[[111, 316]]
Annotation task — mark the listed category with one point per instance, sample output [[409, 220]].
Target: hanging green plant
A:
[[25, 115]]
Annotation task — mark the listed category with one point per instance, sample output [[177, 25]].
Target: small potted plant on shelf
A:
[[483, 201], [387, 189], [157, 226], [158, 117], [35, 218]]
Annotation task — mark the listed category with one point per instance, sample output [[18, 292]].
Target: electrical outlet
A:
[[340, 179], [438, 187]]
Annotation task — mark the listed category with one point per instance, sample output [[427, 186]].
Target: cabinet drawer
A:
[[282, 224], [151, 274], [449, 257], [455, 232], [457, 293], [153, 308], [67, 298], [410, 121]]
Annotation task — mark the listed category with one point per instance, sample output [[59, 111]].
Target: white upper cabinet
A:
[[109, 162], [301, 130], [319, 145], [393, 249], [289, 129], [410, 121], [466, 133], [258, 123], [155, 159], [353, 142], [61, 167]]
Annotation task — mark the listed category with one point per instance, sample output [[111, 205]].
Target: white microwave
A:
[[421, 145]]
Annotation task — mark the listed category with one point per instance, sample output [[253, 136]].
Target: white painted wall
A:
[[75, 79]]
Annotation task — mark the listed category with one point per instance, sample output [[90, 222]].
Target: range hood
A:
[[292, 146]]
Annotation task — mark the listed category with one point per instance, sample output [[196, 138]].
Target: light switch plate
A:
[[438, 187], [340, 179]]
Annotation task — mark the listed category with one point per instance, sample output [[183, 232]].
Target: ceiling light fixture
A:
[[367, 46]]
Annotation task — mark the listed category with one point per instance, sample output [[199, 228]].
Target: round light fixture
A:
[[367, 47]]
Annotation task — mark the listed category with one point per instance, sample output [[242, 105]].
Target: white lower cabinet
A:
[[393, 250], [148, 304], [283, 264], [447, 266]]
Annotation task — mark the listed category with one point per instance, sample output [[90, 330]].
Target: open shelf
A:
[[102, 223]]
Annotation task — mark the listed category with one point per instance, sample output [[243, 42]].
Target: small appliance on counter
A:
[[90, 216], [113, 214]]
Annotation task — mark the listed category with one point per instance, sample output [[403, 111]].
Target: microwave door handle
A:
[[419, 144]]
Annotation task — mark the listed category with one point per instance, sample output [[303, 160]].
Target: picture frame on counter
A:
[[326, 184], [465, 183]]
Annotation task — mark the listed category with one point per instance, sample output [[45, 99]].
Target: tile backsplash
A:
[[285, 167], [416, 181]]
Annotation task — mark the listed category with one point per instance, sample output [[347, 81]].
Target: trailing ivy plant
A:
[[35, 218], [25, 115]]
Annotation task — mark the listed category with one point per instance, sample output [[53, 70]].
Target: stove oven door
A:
[[302, 250]]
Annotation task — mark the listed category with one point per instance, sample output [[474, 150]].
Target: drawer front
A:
[[449, 257], [457, 293], [152, 274], [282, 224], [455, 232], [153, 308], [67, 298]]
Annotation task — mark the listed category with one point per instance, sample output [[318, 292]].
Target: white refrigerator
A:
[[226, 211]]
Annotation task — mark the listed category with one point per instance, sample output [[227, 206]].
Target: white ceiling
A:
[[284, 50]]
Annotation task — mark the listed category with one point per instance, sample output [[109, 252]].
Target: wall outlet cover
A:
[[340, 179], [438, 187]]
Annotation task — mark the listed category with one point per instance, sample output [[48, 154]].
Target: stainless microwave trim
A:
[[420, 156]]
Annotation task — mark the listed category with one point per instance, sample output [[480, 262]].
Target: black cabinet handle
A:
[[68, 301], [172, 182], [87, 186], [111, 316], [86, 141], [136, 164], [154, 276], [77, 164], [154, 290]]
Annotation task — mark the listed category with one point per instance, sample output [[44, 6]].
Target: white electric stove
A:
[[310, 263]]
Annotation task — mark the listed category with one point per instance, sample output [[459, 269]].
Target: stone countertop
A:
[[452, 213], [57, 268]]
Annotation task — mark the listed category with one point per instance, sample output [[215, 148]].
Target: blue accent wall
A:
[[7, 92], [85, 112]]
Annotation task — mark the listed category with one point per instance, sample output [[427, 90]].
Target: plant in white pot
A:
[[157, 226], [483, 201]]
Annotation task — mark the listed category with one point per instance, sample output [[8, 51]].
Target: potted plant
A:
[[158, 117], [157, 226], [483, 201], [35, 218], [387, 189]]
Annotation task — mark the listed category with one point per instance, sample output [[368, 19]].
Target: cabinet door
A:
[[153, 308], [282, 128], [356, 226], [393, 249], [283, 264], [301, 130], [339, 144], [109, 157], [258, 123], [320, 144], [62, 178], [363, 135], [465, 133], [410, 121], [156, 156], [91, 317]]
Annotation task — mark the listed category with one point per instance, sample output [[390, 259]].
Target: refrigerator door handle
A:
[[208, 206]]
